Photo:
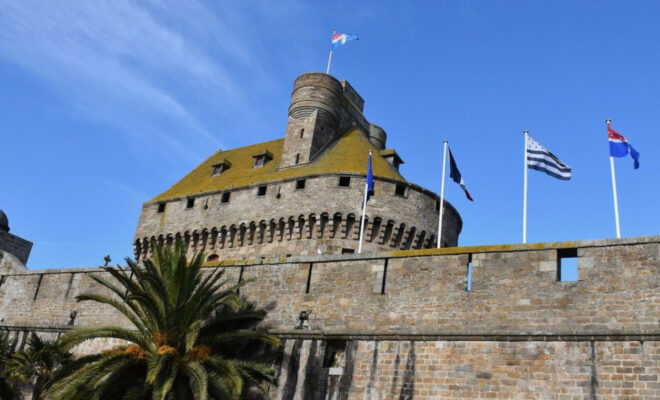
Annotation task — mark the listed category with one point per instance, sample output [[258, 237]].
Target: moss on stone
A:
[[348, 154]]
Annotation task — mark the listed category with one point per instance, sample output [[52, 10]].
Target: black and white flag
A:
[[540, 159]]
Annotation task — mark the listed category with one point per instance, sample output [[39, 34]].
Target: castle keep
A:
[[301, 194], [404, 320]]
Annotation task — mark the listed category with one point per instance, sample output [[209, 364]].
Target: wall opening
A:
[[225, 197], [302, 132], [240, 280], [400, 190], [347, 251], [468, 286], [161, 207], [190, 202], [567, 265], [297, 158], [344, 181], [300, 184], [261, 191], [382, 289], [309, 278], [335, 353]]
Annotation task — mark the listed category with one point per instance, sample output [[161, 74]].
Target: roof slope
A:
[[348, 154]]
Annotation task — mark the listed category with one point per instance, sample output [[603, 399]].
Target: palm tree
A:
[[36, 365], [6, 389], [193, 337]]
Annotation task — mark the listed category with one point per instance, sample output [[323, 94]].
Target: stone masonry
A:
[[402, 324], [326, 146]]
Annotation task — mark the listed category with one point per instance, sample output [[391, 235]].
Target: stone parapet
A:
[[322, 218]]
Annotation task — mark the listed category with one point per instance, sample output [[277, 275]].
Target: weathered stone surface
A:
[[518, 334]]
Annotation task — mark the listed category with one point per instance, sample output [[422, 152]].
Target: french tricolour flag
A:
[[341, 38], [619, 146]]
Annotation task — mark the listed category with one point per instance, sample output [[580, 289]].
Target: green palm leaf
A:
[[192, 336]]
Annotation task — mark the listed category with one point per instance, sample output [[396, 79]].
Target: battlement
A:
[[402, 324], [514, 291]]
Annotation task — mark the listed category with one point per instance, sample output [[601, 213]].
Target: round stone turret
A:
[[4, 222], [316, 92], [377, 136]]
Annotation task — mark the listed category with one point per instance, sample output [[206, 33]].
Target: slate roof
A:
[[348, 154]]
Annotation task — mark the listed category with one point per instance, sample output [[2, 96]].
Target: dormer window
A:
[[392, 158], [220, 167], [262, 158]]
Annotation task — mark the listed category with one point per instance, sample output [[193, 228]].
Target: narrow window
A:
[[217, 169], [344, 181], [161, 207], [347, 251], [262, 158], [400, 190], [567, 265], [261, 191], [300, 184], [225, 197], [297, 158], [437, 205], [190, 203], [220, 167], [213, 257], [302, 131], [469, 273]]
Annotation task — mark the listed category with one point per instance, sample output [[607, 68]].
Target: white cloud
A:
[[143, 67]]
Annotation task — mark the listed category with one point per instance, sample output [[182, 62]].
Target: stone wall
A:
[[402, 324], [15, 245], [321, 218], [470, 369]]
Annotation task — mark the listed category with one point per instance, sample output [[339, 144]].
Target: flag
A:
[[540, 159], [619, 146], [370, 181], [455, 175], [341, 38]]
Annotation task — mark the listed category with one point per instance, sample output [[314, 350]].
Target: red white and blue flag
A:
[[341, 38], [619, 146]]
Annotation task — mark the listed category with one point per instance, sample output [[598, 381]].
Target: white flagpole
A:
[[364, 208], [616, 201], [327, 71], [442, 193], [525, 193]]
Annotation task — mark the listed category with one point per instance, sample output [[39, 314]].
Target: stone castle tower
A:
[[466, 323], [14, 250], [301, 194]]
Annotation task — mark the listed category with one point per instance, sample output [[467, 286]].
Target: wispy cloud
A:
[[140, 66]]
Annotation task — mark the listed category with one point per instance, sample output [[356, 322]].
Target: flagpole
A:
[[327, 71], [525, 193], [616, 201], [442, 192], [364, 208]]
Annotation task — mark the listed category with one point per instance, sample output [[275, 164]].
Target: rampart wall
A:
[[402, 324], [323, 217]]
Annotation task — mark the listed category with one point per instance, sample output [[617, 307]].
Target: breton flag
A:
[[341, 38], [456, 176], [619, 146], [540, 159]]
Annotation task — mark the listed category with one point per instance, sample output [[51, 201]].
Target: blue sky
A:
[[106, 104]]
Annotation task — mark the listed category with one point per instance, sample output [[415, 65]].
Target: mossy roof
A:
[[348, 154]]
